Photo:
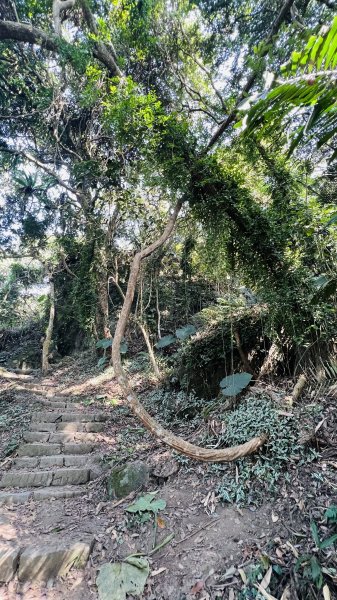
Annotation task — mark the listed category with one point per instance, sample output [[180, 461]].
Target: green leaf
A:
[[165, 341], [147, 503], [105, 343], [123, 348], [328, 542], [315, 535], [332, 220], [234, 384], [331, 513], [185, 332], [316, 571], [117, 580], [102, 362]]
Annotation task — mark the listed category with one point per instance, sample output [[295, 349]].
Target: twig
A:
[[208, 524], [166, 541]]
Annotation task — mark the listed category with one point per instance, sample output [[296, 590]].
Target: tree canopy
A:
[[121, 140]]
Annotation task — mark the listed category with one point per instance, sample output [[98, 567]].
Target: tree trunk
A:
[[102, 309], [49, 330], [149, 349], [143, 331], [186, 448]]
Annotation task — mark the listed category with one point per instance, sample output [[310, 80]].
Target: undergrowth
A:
[[248, 479]]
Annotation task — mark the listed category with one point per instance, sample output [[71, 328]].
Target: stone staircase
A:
[[55, 461]]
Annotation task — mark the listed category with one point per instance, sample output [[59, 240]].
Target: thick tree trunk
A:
[[49, 331], [186, 448]]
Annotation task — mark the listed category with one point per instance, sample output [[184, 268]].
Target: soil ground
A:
[[214, 545]]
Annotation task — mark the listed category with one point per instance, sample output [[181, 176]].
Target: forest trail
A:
[[57, 526], [55, 461]]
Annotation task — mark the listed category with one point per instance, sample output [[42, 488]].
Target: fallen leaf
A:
[[294, 551], [274, 517], [117, 580], [264, 593], [161, 523], [229, 573], [158, 571], [231, 595], [326, 593], [243, 576], [197, 588], [266, 580], [286, 594]]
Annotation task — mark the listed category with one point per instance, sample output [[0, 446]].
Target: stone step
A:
[[46, 462], [49, 493], [89, 427], [48, 449], [59, 437], [57, 416], [59, 477], [42, 562]]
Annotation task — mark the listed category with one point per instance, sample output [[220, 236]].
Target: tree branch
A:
[[205, 454], [21, 32], [59, 6]]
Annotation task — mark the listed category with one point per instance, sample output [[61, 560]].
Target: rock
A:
[[46, 462], [71, 476], [26, 463], [68, 426], [73, 448], [29, 479], [35, 426], [55, 493], [47, 562], [124, 480], [36, 436], [9, 557], [39, 449], [10, 498], [165, 469], [46, 417]]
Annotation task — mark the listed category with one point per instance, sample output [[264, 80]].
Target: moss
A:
[[124, 480]]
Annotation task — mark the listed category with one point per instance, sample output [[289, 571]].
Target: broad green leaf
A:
[[234, 384], [105, 343], [165, 341], [185, 332], [117, 580], [147, 503]]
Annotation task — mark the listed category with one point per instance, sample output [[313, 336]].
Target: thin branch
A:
[[305, 77]]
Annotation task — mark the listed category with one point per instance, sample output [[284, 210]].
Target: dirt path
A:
[[56, 527], [71, 427]]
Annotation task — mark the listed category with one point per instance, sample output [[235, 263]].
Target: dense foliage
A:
[[112, 111]]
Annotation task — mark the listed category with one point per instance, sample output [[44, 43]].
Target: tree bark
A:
[[186, 448], [22, 32], [143, 331], [49, 331]]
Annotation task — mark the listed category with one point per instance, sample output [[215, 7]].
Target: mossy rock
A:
[[124, 480]]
